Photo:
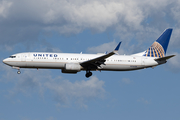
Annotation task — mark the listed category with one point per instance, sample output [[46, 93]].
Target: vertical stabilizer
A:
[[159, 47]]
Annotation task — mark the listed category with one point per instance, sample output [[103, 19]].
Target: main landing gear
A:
[[88, 73]]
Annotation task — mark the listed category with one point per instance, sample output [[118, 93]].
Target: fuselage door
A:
[[23, 57], [28, 57], [143, 61]]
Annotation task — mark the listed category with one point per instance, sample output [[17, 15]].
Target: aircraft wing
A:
[[96, 62]]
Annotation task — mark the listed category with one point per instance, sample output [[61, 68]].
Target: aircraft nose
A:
[[5, 61]]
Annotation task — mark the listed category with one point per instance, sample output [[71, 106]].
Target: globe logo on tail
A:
[[156, 50]]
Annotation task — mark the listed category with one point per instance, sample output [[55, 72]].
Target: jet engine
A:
[[71, 68]]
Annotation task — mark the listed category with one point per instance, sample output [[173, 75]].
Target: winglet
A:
[[117, 48]]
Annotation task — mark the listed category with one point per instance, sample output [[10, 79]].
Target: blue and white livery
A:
[[73, 63]]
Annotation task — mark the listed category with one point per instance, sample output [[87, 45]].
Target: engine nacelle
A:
[[71, 68]]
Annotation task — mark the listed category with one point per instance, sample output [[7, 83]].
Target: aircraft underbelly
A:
[[121, 67], [47, 65], [61, 65]]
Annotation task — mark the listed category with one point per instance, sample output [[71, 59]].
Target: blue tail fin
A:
[[159, 47]]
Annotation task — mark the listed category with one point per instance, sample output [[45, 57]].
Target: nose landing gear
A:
[[18, 72]]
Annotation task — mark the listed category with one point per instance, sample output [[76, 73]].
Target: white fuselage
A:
[[59, 60], [73, 63]]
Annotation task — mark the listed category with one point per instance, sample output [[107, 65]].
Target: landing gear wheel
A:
[[18, 72], [88, 74]]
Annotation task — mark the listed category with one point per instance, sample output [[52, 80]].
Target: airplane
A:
[[72, 63]]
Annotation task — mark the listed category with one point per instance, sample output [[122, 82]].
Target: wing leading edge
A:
[[96, 62]]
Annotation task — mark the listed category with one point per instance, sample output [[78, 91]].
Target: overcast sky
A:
[[88, 26]]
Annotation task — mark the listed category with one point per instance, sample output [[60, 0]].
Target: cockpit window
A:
[[12, 56]]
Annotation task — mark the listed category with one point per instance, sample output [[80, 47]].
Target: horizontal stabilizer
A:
[[164, 58]]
